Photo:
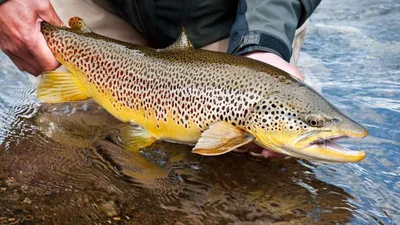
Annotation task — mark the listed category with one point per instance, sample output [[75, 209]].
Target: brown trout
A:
[[215, 101]]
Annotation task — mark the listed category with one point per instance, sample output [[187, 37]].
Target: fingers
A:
[[41, 53], [31, 53], [271, 154], [20, 36], [256, 150], [29, 65], [294, 71], [39, 48], [17, 61], [48, 14], [32, 61], [277, 62]]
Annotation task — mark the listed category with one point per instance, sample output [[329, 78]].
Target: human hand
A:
[[278, 62], [20, 36]]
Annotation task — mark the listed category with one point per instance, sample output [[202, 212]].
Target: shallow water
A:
[[64, 164]]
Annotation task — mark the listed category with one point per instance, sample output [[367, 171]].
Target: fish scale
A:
[[179, 93]]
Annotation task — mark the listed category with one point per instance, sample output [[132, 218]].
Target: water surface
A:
[[64, 163]]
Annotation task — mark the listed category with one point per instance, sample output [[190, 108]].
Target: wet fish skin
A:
[[180, 94]]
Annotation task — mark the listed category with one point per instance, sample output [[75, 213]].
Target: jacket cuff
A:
[[259, 41]]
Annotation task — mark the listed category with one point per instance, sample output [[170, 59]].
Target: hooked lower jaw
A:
[[326, 150], [317, 145]]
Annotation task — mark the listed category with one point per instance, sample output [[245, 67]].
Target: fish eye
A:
[[314, 120]]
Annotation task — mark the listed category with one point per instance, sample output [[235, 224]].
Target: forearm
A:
[[268, 26]]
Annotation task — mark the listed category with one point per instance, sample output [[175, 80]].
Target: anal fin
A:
[[221, 138], [60, 86]]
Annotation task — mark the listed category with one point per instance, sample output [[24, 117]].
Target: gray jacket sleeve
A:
[[268, 25]]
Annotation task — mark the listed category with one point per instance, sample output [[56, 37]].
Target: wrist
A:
[[259, 41], [264, 56], [276, 61]]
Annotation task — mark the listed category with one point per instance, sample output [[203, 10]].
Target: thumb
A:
[[49, 15], [294, 71]]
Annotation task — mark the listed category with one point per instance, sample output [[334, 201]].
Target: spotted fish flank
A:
[[213, 100]]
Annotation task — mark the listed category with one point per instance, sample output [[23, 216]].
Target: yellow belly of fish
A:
[[167, 130]]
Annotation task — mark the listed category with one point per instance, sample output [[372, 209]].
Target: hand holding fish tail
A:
[[20, 36]]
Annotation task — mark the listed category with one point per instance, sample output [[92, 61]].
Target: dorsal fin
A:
[[78, 24], [182, 41]]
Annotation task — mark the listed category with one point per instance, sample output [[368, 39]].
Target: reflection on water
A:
[[64, 163], [74, 161]]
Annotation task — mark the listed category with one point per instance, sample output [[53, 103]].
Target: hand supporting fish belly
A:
[[215, 101]]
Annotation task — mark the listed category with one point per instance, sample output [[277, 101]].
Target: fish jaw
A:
[[326, 151], [321, 146], [314, 145]]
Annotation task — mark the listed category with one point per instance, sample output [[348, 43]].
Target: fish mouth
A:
[[322, 147]]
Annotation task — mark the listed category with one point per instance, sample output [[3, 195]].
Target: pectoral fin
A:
[[135, 138], [59, 86], [221, 138]]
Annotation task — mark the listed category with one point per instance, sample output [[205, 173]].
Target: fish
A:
[[216, 102]]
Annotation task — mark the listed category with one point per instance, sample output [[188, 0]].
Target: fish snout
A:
[[352, 129]]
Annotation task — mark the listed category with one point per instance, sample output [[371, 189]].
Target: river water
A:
[[64, 164]]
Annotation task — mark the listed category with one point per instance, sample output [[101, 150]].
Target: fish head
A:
[[298, 121]]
